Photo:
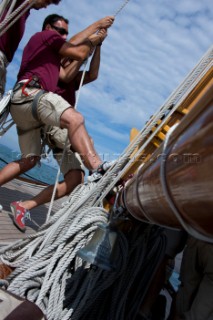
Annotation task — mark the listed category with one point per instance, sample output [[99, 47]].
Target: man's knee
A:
[[28, 162], [71, 117]]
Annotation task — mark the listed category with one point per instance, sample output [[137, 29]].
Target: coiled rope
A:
[[66, 289]]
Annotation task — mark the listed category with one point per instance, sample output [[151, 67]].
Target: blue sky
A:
[[149, 50]]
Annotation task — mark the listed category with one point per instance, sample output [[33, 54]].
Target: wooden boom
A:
[[173, 185]]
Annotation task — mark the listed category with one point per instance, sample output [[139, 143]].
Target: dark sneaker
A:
[[98, 173], [19, 215]]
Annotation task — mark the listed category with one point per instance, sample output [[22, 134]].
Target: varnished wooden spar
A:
[[177, 113], [178, 192]]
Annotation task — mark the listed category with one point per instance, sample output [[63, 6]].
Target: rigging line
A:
[[4, 4], [25, 6], [11, 8], [81, 84], [121, 8]]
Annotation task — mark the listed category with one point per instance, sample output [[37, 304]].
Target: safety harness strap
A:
[[35, 103]]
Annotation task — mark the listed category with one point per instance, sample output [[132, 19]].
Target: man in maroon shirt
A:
[[71, 167], [40, 69], [10, 40]]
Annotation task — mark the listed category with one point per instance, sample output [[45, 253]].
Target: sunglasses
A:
[[62, 31]]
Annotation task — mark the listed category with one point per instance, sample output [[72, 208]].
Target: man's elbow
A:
[[66, 80], [81, 56], [76, 53], [93, 77], [75, 41]]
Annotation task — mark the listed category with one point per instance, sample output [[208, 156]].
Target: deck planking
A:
[[20, 190]]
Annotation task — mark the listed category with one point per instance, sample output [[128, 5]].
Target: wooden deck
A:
[[20, 190]]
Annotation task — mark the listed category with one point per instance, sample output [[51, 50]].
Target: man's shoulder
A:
[[47, 35]]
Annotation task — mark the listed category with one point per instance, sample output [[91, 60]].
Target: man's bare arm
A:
[[104, 23], [69, 70]]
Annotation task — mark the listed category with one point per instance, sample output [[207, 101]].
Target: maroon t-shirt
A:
[[41, 58], [67, 91], [10, 40]]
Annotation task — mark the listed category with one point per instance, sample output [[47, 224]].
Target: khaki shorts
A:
[[56, 141], [49, 110]]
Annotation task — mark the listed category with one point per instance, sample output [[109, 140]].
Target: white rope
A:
[[11, 8], [81, 84], [5, 24], [43, 277], [3, 7], [121, 8], [164, 112], [70, 236]]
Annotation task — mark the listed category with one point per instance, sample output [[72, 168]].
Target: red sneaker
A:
[[19, 215]]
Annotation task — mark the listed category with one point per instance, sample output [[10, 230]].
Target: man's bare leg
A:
[[71, 180], [79, 138], [15, 168]]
